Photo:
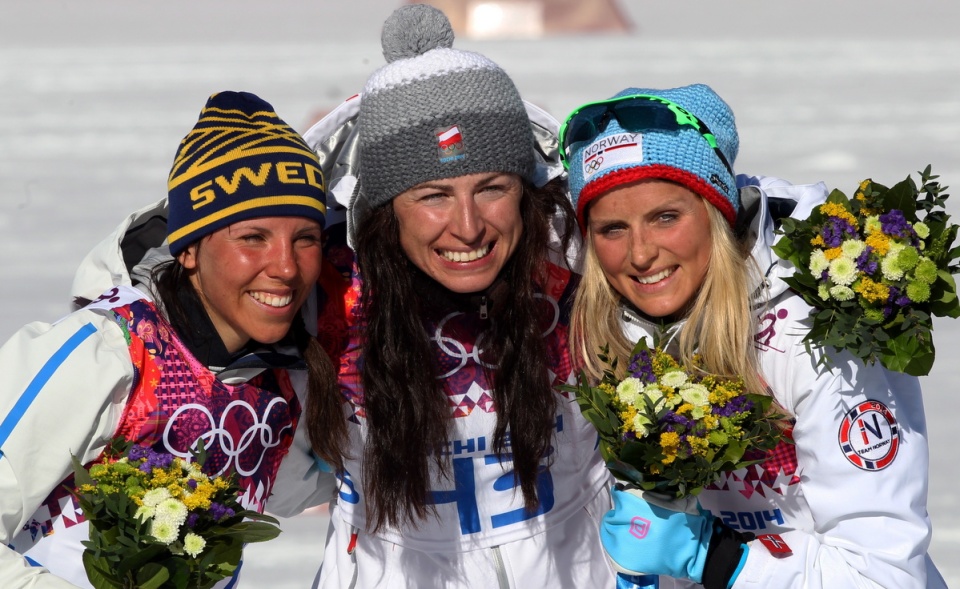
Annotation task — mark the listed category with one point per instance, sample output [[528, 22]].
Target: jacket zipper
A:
[[483, 307], [502, 580]]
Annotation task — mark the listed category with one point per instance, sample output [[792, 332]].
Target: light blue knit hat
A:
[[618, 156]]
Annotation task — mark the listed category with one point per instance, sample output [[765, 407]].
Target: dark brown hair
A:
[[407, 411]]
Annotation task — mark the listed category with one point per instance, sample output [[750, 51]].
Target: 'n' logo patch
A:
[[869, 436], [450, 144]]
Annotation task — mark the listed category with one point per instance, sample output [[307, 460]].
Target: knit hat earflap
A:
[[686, 135], [435, 112], [240, 161]]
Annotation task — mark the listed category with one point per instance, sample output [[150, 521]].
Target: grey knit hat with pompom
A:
[[435, 112]]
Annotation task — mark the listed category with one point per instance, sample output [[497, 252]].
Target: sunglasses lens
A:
[[643, 115], [585, 125]]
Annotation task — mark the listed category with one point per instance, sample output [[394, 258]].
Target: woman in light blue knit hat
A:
[[674, 250]]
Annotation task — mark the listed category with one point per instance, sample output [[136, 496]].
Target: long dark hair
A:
[[407, 411], [175, 291]]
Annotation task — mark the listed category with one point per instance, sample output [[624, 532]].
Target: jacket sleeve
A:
[[862, 456], [303, 480], [63, 390]]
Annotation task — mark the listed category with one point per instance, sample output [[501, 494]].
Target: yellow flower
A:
[[698, 446], [818, 241], [711, 421], [669, 440], [872, 292], [684, 408], [837, 210], [879, 242], [833, 253]]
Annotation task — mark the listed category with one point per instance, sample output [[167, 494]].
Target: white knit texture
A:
[[437, 62]]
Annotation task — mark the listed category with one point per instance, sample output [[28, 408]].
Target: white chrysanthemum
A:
[[628, 389], [841, 293], [654, 393], [698, 412], [818, 262], [154, 497], [923, 231], [890, 268], [843, 271], [695, 394], [641, 425], [172, 509], [164, 530], [673, 379], [872, 225], [144, 512], [193, 544], [852, 248], [823, 292]]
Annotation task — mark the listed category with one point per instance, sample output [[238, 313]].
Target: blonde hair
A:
[[720, 322]]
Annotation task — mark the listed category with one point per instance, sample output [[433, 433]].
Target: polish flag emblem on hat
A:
[[450, 143]]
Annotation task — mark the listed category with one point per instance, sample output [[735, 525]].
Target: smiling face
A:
[[253, 276], [461, 231], [653, 242]]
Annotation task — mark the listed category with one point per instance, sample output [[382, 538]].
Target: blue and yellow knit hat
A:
[[240, 161], [686, 135]]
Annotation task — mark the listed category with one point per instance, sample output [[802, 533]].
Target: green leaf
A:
[[152, 576], [98, 572], [903, 196], [907, 355]]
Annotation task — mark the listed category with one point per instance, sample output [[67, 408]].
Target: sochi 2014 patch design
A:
[[869, 436]]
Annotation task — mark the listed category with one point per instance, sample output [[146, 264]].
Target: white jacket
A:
[[849, 498], [64, 391]]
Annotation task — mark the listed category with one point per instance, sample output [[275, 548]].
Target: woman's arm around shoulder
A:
[[63, 390]]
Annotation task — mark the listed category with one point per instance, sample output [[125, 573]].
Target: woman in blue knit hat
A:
[[202, 347], [675, 251]]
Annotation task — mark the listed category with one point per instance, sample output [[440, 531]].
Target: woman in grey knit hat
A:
[[467, 467]]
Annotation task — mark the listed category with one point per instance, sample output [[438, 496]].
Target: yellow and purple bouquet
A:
[[876, 271], [671, 431], [157, 521]]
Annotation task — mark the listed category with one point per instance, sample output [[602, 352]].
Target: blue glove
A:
[[675, 539]]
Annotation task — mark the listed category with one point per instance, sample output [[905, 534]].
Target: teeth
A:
[[466, 256], [272, 299], [653, 278]]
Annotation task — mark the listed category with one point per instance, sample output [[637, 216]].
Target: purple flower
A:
[[865, 263], [671, 420], [219, 511], [137, 452], [896, 298], [192, 520], [895, 224], [734, 406], [155, 460], [835, 230], [641, 367]]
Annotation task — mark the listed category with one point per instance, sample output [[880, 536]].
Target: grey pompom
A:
[[413, 30]]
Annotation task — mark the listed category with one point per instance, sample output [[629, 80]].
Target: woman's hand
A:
[[643, 534]]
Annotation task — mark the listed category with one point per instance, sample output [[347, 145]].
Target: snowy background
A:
[[95, 96]]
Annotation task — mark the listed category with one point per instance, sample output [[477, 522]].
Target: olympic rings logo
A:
[[593, 165], [218, 436], [458, 351]]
